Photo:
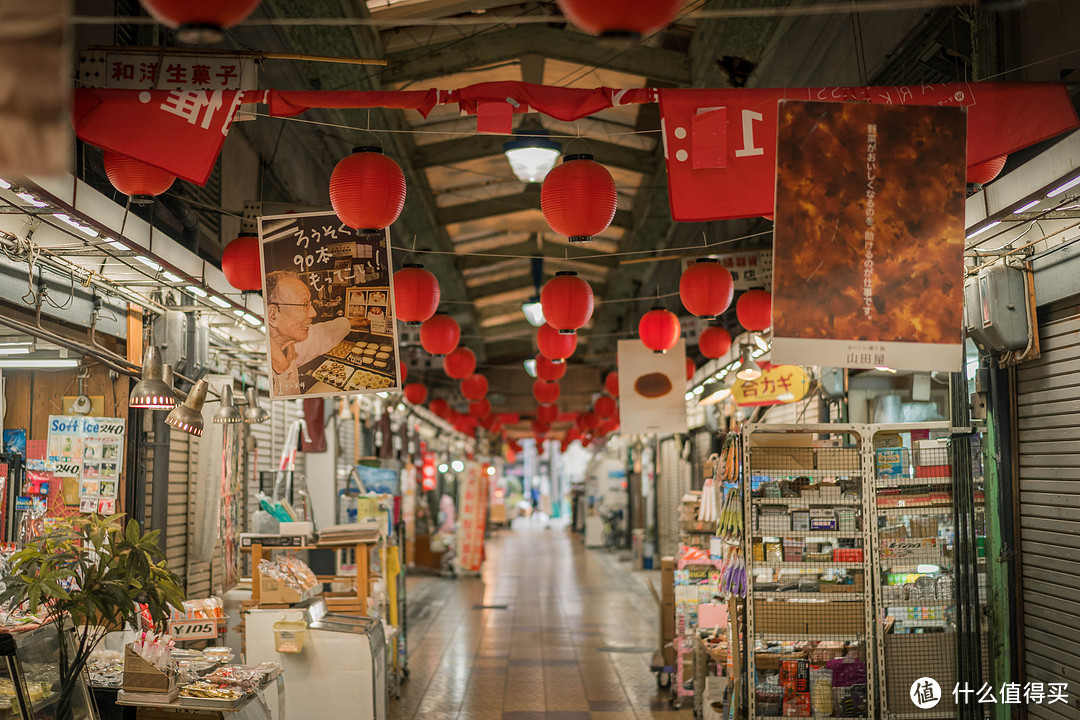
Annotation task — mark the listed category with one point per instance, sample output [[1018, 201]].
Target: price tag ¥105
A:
[[193, 629]]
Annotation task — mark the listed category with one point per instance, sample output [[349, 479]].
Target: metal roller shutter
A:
[[1048, 395], [673, 481]]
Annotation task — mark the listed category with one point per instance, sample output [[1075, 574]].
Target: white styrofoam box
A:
[[774, 522], [932, 452]]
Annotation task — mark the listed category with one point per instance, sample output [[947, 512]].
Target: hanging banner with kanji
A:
[[868, 244], [472, 505], [778, 384], [652, 389], [329, 297]]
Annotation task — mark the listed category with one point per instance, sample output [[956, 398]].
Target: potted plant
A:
[[92, 570]]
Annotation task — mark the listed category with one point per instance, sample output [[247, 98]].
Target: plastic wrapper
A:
[[821, 692], [849, 701], [797, 705], [769, 695], [847, 671], [292, 572], [106, 668]]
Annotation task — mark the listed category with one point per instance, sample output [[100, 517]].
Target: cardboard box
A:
[[804, 618], [142, 677], [931, 452], [909, 657], [274, 592]]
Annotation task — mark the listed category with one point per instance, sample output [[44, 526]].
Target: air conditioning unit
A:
[[184, 339], [996, 315]]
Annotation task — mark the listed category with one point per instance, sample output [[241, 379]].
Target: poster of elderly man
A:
[[329, 307]]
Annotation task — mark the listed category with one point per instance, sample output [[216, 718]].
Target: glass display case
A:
[[30, 677]]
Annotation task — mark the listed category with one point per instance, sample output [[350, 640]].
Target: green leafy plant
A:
[[94, 571]]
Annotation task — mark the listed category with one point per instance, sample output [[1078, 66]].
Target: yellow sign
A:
[[778, 385]]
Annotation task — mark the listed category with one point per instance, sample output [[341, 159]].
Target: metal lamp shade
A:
[[255, 413], [188, 416], [152, 392], [228, 413]]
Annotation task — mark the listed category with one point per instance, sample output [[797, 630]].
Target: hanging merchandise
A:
[[200, 22], [548, 370], [567, 301], [240, 263], [367, 190], [706, 288], [754, 310], [460, 364], [416, 294], [578, 198], [714, 342], [546, 392], [733, 574], [474, 387], [439, 334], [553, 346], [707, 512], [620, 20], [659, 330], [138, 180], [416, 393]]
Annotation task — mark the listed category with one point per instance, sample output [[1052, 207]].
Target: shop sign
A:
[[329, 304], [652, 389], [777, 385], [749, 270], [198, 629], [868, 242], [472, 504], [91, 450], [427, 473], [129, 69]]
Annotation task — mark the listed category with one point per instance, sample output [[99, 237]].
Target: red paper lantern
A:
[[480, 409], [578, 198], [553, 345], [611, 383], [140, 181], [416, 393], [547, 413], [416, 294], [474, 387], [586, 421], [620, 20], [439, 334], [546, 393], [367, 190], [604, 406], [987, 170], [659, 330], [460, 364], [539, 428], [547, 370], [440, 407], [404, 371], [240, 263], [567, 301], [706, 288], [754, 310], [691, 368], [200, 21], [714, 342]]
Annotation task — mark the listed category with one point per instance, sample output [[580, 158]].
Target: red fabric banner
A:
[[706, 182], [566, 104], [289, 103]]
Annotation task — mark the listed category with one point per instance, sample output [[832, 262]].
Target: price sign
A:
[[91, 450], [199, 629]]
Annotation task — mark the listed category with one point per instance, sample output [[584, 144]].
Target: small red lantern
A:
[[404, 371], [691, 368], [659, 330], [547, 413], [553, 345], [987, 170], [439, 334], [547, 370], [240, 263], [140, 181], [416, 294], [706, 288], [367, 190], [440, 407], [754, 310], [714, 342], [611, 383], [460, 364], [546, 393], [539, 428], [604, 406], [474, 387], [416, 393], [578, 198], [200, 21], [625, 21], [480, 408], [567, 301], [587, 421]]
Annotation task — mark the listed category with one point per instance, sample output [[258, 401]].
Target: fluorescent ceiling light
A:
[[883, 368], [171, 277], [220, 302], [31, 199], [238, 313], [5, 184], [1062, 188], [699, 389], [38, 363], [760, 341], [15, 341], [197, 291], [1027, 207], [252, 319], [530, 367], [116, 244], [148, 263], [85, 229], [980, 231], [534, 312], [14, 350]]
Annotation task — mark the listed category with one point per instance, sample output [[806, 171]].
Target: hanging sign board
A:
[[329, 307], [652, 389], [472, 500], [778, 385], [133, 69], [90, 449], [868, 245]]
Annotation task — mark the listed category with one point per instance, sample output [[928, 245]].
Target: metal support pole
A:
[[159, 510]]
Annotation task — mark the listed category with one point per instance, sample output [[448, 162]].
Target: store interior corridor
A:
[[548, 631]]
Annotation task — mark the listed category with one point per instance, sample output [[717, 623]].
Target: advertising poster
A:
[[90, 450], [472, 501], [868, 247], [652, 389], [329, 307]]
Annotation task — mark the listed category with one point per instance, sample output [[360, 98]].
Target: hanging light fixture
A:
[[152, 392], [748, 368], [188, 417], [532, 153], [255, 412], [227, 413], [533, 308], [714, 392], [530, 367]]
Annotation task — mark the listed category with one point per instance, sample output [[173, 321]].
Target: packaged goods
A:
[[821, 692]]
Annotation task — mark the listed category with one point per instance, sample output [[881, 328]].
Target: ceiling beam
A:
[[527, 199], [449, 152]]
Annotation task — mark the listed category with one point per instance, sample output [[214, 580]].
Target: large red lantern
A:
[[440, 407], [578, 198], [987, 170], [547, 413], [706, 288], [474, 387], [546, 393], [480, 409], [200, 21], [553, 345], [604, 406], [691, 368], [714, 342], [754, 310], [140, 181], [416, 294], [547, 370], [240, 263], [416, 393], [567, 301], [624, 21], [367, 190], [460, 364], [659, 330], [611, 383], [439, 334]]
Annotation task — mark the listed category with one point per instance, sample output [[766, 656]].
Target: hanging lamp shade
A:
[[474, 387], [188, 417], [547, 370], [152, 391], [439, 334], [416, 393], [578, 198], [567, 301], [706, 288], [227, 412], [403, 370], [367, 190], [604, 406], [547, 413], [416, 294], [987, 170], [460, 364], [553, 345], [611, 383], [691, 368], [140, 181], [546, 393], [480, 409], [255, 412], [714, 342], [622, 22], [754, 310], [240, 263], [200, 22], [659, 330], [439, 406]]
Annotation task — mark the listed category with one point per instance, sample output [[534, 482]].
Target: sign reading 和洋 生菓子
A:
[[328, 293]]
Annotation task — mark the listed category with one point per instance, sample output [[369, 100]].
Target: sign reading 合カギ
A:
[[777, 385], [90, 449]]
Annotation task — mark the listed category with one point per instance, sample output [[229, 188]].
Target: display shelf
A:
[[918, 603], [805, 637], [808, 534], [809, 565], [894, 510], [802, 501], [827, 596], [906, 481]]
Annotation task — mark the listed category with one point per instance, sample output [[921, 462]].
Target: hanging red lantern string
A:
[[659, 330], [416, 393], [587, 421], [481, 408], [547, 370], [416, 294], [460, 364], [604, 406], [439, 334], [546, 393], [367, 190], [578, 198], [240, 263], [200, 22], [754, 310], [567, 301], [547, 413], [706, 288], [714, 342], [539, 429], [611, 383], [554, 346], [138, 180], [474, 387], [440, 407], [403, 370], [621, 21], [691, 368]]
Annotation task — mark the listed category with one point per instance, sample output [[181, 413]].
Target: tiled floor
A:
[[548, 654]]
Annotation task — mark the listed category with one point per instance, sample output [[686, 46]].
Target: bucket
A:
[[289, 636]]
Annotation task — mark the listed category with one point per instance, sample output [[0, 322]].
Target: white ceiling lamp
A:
[[748, 368], [534, 311], [532, 153], [32, 363], [530, 367]]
